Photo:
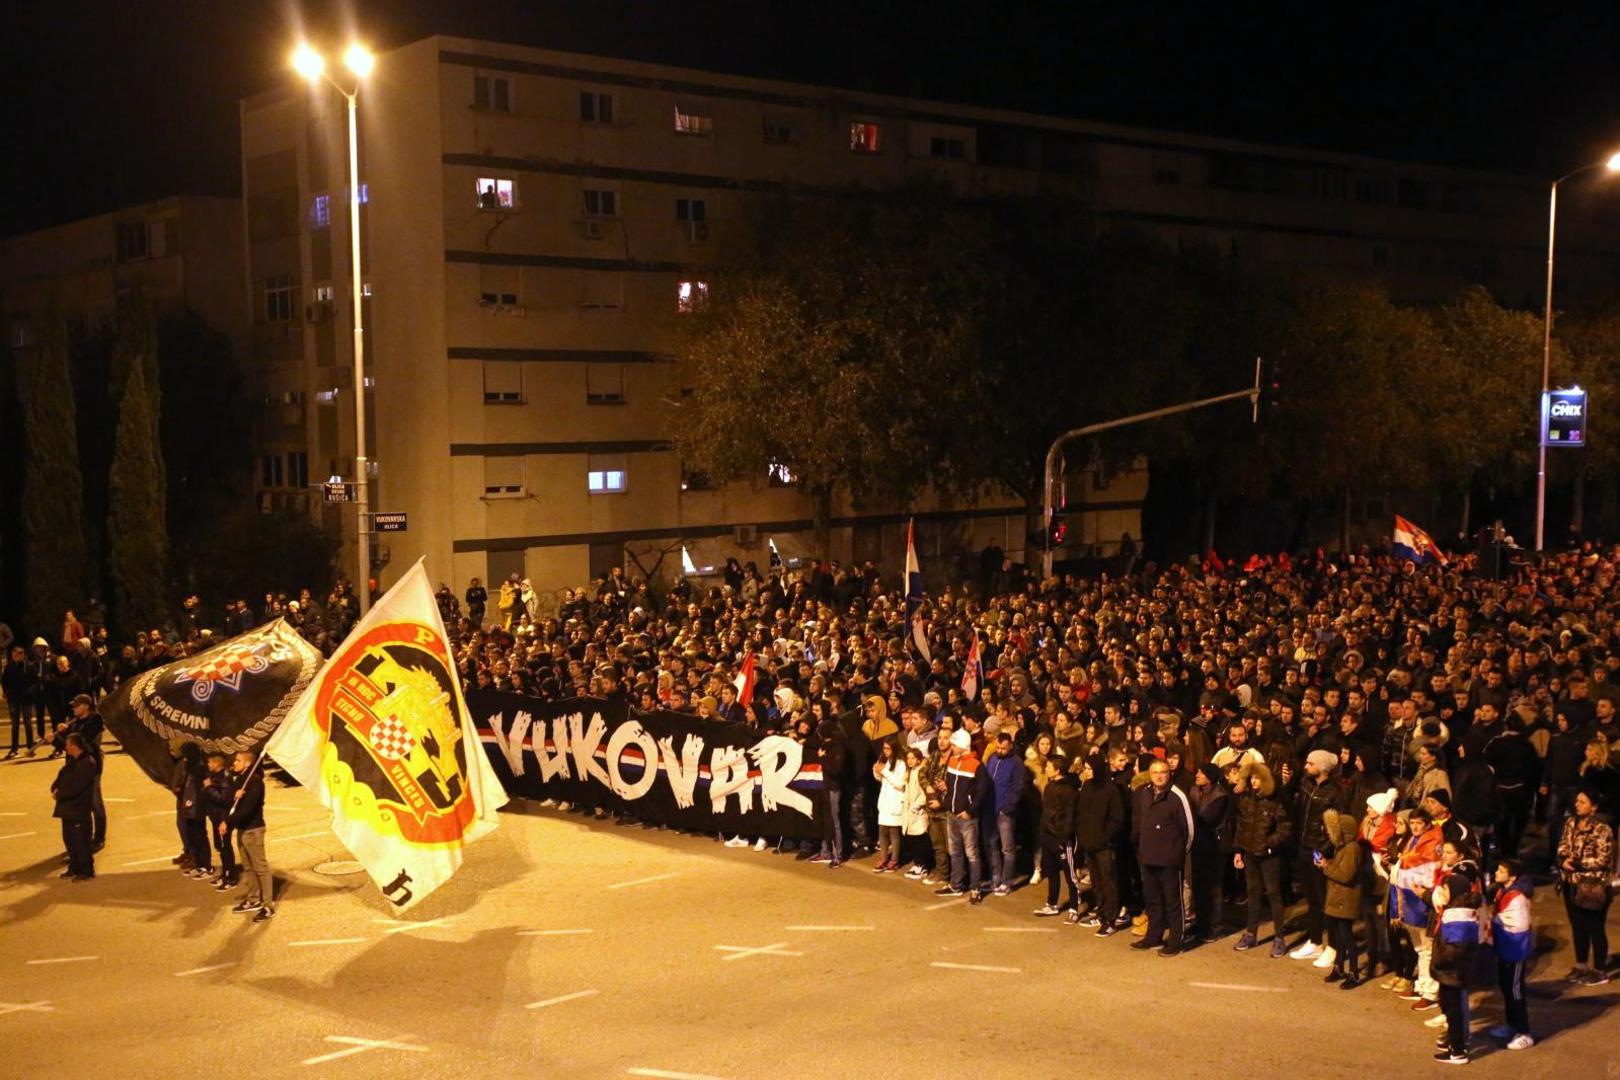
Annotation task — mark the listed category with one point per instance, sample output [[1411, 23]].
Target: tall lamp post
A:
[[312, 66], [1612, 165]]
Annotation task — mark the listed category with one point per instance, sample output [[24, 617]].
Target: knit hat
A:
[[1211, 773], [1441, 796], [960, 739], [1382, 803], [1324, 761]]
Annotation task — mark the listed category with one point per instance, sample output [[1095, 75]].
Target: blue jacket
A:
[[1008, 778]]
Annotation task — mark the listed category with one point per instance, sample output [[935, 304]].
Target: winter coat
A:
[[1263, 826], [248, 811], [1161, 825], [914, 814], [965, 783], [1008, 778], [1312, 798], [75, 788], [1343, 868], [1100, 820], [1473, 793], [1212, 820], [1456, 929], [891, 800], [1427, 780], [1060, 804]]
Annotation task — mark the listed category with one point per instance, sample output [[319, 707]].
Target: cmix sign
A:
[[1563, 417]]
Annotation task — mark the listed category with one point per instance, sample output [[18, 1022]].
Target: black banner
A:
[[664, 767], [227, 698]]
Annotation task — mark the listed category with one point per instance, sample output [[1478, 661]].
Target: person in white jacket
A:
[[890, 771]]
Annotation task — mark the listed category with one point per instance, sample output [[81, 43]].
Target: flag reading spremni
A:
[[384, 738]]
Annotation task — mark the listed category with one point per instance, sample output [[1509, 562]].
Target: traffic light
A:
[[1058, 531], [1270, 381]]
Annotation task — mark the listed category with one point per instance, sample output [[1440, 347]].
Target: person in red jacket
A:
[[964, 794]]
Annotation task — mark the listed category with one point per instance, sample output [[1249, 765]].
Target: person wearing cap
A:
[[74, 792], [86, 722], [1314, 793], [965, 784]]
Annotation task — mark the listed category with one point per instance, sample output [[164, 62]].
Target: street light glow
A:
[[1613, 163], [358, 59], [307, 62]]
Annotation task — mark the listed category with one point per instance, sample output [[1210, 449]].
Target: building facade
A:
[[536, 222]]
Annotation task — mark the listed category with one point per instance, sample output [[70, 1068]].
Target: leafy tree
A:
[[255, 553], [138, 538], [53, 489], [838, 340], [1588, 347]]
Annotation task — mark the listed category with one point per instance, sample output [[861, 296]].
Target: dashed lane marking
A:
[[643, 881], [814, 929], [552, 933], [17, 835], [201, 970], [401, 928], [976, 967], [7, 1007], [64, 960], [665, 1074], [742, 952], [360, 1046], [1020, 929], [575, 996], [1241, 986], [326, 941]]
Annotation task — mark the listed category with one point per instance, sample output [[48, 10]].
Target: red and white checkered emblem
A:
[[224, 668], [392, 739]]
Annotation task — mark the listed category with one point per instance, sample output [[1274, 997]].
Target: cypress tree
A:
[[138, 538], [53, 487]]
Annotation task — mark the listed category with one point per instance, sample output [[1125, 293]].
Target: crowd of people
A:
[[1177, 754]]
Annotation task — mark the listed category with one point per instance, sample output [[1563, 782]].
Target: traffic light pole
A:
[[1049, 484]]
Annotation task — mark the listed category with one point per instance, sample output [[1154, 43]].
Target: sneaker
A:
[[1595, 978], [1091, 922], [1521, 1042], [1139, 920], [1438, 1020], [1046, 911], [1122, 921], [76, 878], [1326, 959], [1577, 973], [9, 756], [1351, 982], [224, 885], [947, 890], [1143, 945], [177, 860], [916, 873], [930, 879], [564, 807], [246, 906], [1424, 1005], [818, 857], [1246, 942], [1072, 918], [1401, 985], [1170, 950], [881, 868], [975, 897], [1389, 983], [265, 914], [1307, 950], [1002, 890], [548, 804], [833, 864], [1449, 1057], [67, 874], [736, 841], [1333, 976], [1106, 931], [759, 845], [804, 856], [1279, 948]]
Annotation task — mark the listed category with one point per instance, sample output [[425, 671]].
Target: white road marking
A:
[[945, 903], [740, 952], [153, 813], [201, 970], [665, 1074], [26, 1006], [643, 880], [327, 941], [552, 933], [575, 996], [976, 967], [1020, 929], [149, 862], [360, 1046], [400, 928], [12, 813], [17, 835], [1241, 986], [110, 798], [64, 960], [828, 929]]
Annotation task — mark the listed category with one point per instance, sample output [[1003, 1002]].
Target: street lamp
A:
[[312, 66], [1612, 165]]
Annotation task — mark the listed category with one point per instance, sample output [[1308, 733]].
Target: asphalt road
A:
[[570, 948]]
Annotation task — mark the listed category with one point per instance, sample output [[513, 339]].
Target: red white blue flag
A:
[[914, 594], [1415, 545], [973, 671]]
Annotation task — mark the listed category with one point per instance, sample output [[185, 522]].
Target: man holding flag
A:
[[1414, 545], [914, 595], [384, 738]]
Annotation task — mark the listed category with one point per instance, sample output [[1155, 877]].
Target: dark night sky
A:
[[114, 103]]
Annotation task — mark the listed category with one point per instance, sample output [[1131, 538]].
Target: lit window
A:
[[492, 92], [327, 397], [687, 565], [691, 123], [605, 481], [320, 212], [595, 107], [323, 292], [691, 296], [278, 298], [601, 202], [863, 137], [941, 147], [780, 475], [496, 194]]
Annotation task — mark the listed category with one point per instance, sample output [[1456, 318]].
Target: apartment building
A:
[[535, 223], [185, 250]]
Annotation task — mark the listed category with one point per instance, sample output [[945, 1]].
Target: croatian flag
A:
[[971, 673], [914, 594], [1413, 544], [744, 682]]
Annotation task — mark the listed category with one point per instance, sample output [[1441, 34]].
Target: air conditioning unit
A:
[[746, 535], [593, 230], [318, 312]]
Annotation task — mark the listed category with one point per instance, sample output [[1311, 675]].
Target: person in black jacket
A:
[[834, 758], [1517, 768], [1314, 793], [246, 820], [1262, 833], [1162, 829], [1211, 847], [86, 722], [1059, 805], [193, 814], [219, 791], [1100, 829], [16, 684], [74, 791]]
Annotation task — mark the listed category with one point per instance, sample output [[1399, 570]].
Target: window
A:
[[492, 92], [279, 298], [497, 286], [270, 474], [604, 384], [160, 237], [693, 123], [608, 479], [695, 479], [1372, 189], [320, 212], [691, 210], [602, 289], [297, 469], [691, 296], [596, 107], [498, 299], [1330, 183], [131, 240], [503, 477], [503, 382], [601, 202], [327, 397], [780, 475], [495, 193], [780, 132], [324, 292], [943, 147], [864, 137]]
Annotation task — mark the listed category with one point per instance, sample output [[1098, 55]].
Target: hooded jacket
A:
[[1343, 868], [1456, 928], [1312, 798], [1263, 826], [965, 783], [1099, 811], [1060, 805]]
